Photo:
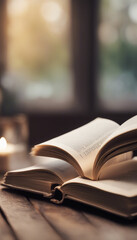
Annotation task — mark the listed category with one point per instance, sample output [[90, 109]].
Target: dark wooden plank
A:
[[26, 222], [70, 224], [6, 232], [113, 228], [109, 226], [77, 221], [40, 219]]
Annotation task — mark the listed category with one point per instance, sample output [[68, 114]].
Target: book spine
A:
[[58, 196]]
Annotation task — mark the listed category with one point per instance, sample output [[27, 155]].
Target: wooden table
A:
[[30, 217], [25, 216]]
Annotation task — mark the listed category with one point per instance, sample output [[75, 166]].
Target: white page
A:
[[125, 185], [124, 135], [83, 143], [61, 168]]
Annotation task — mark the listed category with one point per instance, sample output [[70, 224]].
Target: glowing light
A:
[[3, 144], [17, 7], [133, 12], [51, 11]]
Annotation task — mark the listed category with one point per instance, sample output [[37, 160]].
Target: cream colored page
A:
[[118, 169], [83, 143], [125, 185], [118, 159], [129, 125], [112, 142], [61, 168]]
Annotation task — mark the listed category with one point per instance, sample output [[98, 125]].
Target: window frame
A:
[[3, 41], [46, 125]]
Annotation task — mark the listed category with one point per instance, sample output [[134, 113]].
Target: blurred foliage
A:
[[122, 56], [117, 51]]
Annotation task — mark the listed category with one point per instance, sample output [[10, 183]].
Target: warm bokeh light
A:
[[17, 7], [38, 54], [3, 144], [51, 11]]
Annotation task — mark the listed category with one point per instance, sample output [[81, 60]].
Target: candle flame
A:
[[3, 144]]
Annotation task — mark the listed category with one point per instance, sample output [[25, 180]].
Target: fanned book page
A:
[[89, 147], [122, 140], [80, 146]]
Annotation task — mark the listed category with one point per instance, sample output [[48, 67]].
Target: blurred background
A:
[[63, 63]]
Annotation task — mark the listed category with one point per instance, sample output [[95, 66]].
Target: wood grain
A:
[[6, 232], [77, 221], [114, 230], [70, 224], [25, 221], [29, 217]]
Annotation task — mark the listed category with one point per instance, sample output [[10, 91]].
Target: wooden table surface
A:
[[30, 217], [25, 216]]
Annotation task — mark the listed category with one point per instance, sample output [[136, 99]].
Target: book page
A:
[[128, 126], [124, 185], [63, 170], [82, 144], [122, 140], [118, 169]]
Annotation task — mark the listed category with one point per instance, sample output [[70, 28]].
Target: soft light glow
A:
[[17, 7], [51, 11], [133, 12], [3, 144]]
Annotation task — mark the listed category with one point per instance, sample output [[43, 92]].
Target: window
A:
[[59, 57], [46, 38], [117, 34], [39, 75]]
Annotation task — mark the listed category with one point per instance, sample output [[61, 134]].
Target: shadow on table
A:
[[76, 206]]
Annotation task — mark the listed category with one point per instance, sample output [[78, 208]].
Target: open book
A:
[[90, 147], [99, 150]]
